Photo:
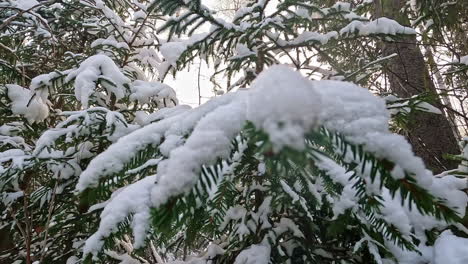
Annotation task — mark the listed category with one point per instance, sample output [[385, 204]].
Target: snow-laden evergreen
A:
[[296, 163], [292, 109]]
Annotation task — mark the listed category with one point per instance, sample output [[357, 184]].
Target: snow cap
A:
[[284, 104]]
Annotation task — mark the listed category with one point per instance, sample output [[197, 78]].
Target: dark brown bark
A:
[[430, 134]]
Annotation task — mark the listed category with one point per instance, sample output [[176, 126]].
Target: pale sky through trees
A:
[[186, 85]]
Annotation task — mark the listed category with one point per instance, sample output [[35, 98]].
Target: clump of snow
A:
[[45, 80], [110, 41], [285, 106], [119, 207], [342, 6], [93, 69], [24, 4], [255, 254], [146, 55], [171, 51], [113, 159], [25, 102], [398, 105], [140, 14], [381, 25], [307, 36], [289, 106], [462, 60], [348, 198], [449, 248], [242, 51], [6, 198], [161, 94], [144, 119]]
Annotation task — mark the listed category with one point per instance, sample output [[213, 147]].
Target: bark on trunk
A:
[[430, 134]]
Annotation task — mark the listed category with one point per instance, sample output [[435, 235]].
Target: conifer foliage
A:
[[99, 163]]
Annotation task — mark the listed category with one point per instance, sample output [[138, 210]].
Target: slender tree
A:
[[431, 136]]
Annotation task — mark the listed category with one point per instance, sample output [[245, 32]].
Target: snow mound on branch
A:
[[450, 249], [21, 4], [171, 51], [255, 254], [113, 159], [447, 249], [119, 207], [26, 102], [307, 36], [93, 69], [381, 25], [285, 105], [462, 60], [162, 93]]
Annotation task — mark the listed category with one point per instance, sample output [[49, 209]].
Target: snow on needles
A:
[[93, 69], [26, 102], [284, 105]]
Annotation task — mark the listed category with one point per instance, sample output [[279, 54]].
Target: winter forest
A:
[[233, 131]]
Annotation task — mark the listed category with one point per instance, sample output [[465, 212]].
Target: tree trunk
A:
[[430, 134]]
